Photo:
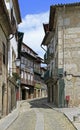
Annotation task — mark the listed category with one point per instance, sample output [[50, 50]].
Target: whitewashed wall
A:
[[13, 43]]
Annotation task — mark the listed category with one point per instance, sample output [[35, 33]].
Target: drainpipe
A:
[[63, 36], [63, 48], [43, 48]]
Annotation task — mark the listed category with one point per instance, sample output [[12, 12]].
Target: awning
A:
[[27, 88]]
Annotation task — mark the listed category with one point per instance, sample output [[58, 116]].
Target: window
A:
[[22, 73], [25, 75], [22, 59], [4, 52], [28, 76], [31, 77]]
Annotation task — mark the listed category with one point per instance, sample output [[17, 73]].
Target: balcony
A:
[[37, 71], [48, 56], [47, 75], [27, 82], [50, 75]]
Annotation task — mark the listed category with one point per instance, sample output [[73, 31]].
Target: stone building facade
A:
[[62, 57], [5, 31], [6, 34], [15, 19]]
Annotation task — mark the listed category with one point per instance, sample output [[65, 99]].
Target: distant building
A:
[[62, 38], [43, 85], [37, 77], [27, 75], [30, 73]]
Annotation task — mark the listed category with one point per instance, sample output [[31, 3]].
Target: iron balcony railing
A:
[[47, 75], [37, 71], [48, 55], [50, 75]]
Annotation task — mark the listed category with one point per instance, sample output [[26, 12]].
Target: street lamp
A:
[[17, 62]]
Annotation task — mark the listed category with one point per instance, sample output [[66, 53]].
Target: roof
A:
[[53, 10], [4, 18], [28, 55], [35, 56], [17, 10], [67, 4], [29, 48], [46, 27], [47, 38]]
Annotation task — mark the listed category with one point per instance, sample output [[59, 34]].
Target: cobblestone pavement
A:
[[26, 119], [56, 121], [53, 120], [34, 115]]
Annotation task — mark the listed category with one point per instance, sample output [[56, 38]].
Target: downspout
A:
[[63, 37], [43, 48], [63, 40]]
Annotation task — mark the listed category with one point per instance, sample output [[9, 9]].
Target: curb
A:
[[69, 120], [7, 121], [10, 118], [63, 114]]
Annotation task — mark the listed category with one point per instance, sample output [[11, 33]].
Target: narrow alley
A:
[[35, 115], [39, 65]]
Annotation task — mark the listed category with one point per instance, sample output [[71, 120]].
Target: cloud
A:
[[32, 26]]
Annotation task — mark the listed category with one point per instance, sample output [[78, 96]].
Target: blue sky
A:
[[34, 13], [38, 6]]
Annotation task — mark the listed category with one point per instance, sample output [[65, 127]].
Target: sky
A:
[[34, 13]]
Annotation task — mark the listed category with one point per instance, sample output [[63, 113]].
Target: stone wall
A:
[[11, 94], [69, 50], [3, 74]]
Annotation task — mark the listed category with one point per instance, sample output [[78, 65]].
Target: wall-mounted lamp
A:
[[17, 62]]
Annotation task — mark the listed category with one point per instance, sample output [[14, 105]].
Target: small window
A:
[[28, 76], [22, 73]]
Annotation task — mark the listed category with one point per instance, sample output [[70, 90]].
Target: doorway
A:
[[23, 94]]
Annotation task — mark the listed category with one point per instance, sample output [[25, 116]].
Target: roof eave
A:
[[47, 38], [51, 17], [4, 19], [17, 11], [30, 49]]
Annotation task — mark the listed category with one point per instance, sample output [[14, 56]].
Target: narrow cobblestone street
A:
[[34, 115]]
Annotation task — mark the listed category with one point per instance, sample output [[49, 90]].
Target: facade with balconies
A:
[[37, 77], [31, 83], [27, 71]]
